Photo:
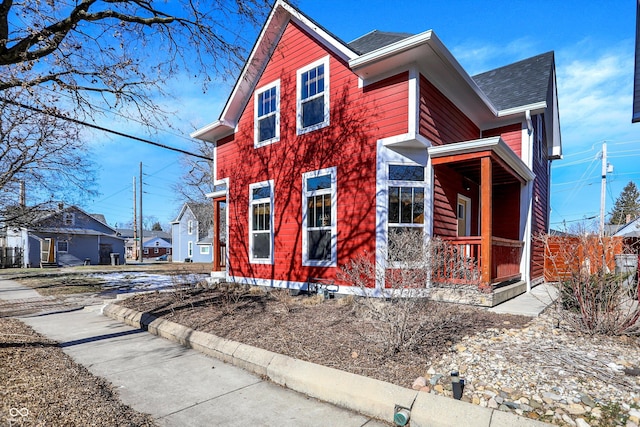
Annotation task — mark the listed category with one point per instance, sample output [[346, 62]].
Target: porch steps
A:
[[48, 265], [505, 293]]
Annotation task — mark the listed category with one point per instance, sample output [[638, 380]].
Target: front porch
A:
[[480, 210]]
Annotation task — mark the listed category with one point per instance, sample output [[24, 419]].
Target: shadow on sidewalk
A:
[[100, 337]]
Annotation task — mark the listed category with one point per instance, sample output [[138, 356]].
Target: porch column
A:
[[486, 226]]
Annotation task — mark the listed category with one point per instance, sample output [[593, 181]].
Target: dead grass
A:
[[335, 333], [43, 386]]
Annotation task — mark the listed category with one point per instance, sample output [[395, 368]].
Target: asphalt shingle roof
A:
[[375, 40], [521, 83]]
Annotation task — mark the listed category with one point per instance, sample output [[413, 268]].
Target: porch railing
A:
[[459, 260], [505, 255]]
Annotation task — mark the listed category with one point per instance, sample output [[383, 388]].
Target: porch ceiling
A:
[[464, 158]]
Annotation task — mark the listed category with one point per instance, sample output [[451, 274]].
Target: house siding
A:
[[358, 118], [441, 122], [540, 205], [511, 134]]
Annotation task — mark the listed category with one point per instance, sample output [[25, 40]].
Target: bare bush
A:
[[395, 292], [594, 298]]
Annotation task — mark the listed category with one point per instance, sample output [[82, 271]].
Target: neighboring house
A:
[[128, 234], [154, 247], [191, 235], [67, 237], [325, 150], [629, 230]]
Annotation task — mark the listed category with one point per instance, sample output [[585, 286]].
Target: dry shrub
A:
[[401, 314], [593, 299]]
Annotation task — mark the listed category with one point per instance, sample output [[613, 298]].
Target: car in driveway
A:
[[164, 257]]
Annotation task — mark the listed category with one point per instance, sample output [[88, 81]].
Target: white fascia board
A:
[[213, 131], [391, 50], [535, 108], [495, 144], [406, 140]]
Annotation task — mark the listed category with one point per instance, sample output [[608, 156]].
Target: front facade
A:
[[68, 237], [344, 146]]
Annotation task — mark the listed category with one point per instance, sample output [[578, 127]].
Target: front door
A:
[[47, 252], [464, 216], [219, 234]]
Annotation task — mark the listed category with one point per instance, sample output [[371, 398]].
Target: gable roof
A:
[[94, 217], [378, 55], [522, 83], [376, 39]]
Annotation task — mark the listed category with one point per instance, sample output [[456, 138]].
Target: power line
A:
[[115, 132]]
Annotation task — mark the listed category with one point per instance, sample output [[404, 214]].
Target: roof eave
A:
[[495, 144], [444, 71]]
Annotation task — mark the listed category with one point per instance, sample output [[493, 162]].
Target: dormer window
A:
[[267, 114], [313, 96]]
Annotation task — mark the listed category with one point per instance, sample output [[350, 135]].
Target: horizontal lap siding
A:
[[443, 123], [511, 134], [440, 120], [540, 217], [358, 118]]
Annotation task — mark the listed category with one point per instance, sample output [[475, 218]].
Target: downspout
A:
[[529, 191]]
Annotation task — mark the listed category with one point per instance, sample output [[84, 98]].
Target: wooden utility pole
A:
[[134, 255], [141, 227]]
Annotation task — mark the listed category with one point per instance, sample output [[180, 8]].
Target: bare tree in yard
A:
[[197, 180], [40, 156], [403, 316], [76, 59]]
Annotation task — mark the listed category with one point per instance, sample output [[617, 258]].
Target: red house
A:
[[324, 149]]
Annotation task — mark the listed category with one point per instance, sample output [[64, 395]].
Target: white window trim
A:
[[204, 250], [403, 183], [190, 249], [256, 133], [270, 199], [299, 129], [333, 262], [190, 227]]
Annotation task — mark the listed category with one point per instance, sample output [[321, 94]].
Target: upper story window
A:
[[267, 114], [539, 137], [319, 222], [68, 218], [313, 96], [190, 227], [261, 222]]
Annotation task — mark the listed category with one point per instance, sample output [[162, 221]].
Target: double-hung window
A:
[[267, 114], [319, 231], [406, 191], [261, 222], [313, 96]]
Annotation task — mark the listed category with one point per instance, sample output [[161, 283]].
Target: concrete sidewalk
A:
[[530, 303]]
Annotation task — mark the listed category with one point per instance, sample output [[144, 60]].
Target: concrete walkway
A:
[[530, 303], [176, 385]]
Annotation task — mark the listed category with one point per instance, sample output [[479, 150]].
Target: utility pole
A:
[[141, 227], [606, 168], [135, 223]]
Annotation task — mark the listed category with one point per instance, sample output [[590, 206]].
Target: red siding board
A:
[[511, 134]]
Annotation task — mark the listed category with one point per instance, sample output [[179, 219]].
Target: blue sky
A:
[[593, 43]]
